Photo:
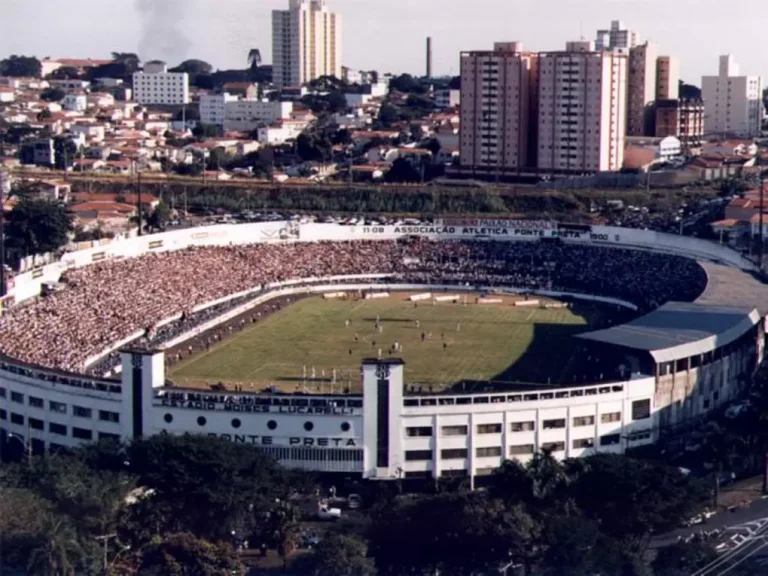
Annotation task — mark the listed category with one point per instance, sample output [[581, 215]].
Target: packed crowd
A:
[[108, 302]]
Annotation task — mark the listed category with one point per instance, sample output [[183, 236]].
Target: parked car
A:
[[324, 512], [354, 501]]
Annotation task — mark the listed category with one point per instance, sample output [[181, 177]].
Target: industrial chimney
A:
[[429, 57]]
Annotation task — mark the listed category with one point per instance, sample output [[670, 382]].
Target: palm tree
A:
[[58, 550]]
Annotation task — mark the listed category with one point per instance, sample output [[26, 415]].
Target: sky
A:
[[388, 36]]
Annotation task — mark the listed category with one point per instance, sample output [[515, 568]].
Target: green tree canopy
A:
[[337, 555], [407, 83], [185, 555], [193, 67], [52, 95], [20, 66], [36, 227]]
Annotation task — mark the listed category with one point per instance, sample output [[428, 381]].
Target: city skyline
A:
[[222, 34]]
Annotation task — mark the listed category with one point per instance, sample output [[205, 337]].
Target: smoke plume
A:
[[161, 34]]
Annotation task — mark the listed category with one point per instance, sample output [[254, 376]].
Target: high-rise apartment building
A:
[[582, 109], [667, 78], [683, 119], [306, 43], [498, 109], [155, 85], [641, 90], [617, 37], [733, 102]]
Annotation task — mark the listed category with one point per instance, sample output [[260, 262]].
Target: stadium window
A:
[[168, 418], [460, 473], [36, 424], [523, 426], [58, 407], [641, 409], [453, 453], [345, 426], [81, 412], [556, 423], [418, 455], [583, 443], [106, 416], [17, 419], [308, 426], [2, 392], [271, 424], [485, 471], [82, 434], [610, 417], [36, 402], [59, 429], [201, 421], [583, 421], [553, 446], [610, 439], [418, 431], [17, 397], [3, 414], [454, 430], [488, 452], [236, 423], [108, 436], [489, 428]]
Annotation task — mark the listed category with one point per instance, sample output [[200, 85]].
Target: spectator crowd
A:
[[108, 302]]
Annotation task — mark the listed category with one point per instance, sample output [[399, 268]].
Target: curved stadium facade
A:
[[678, 360]]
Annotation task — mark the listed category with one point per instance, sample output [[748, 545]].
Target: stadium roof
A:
[[680, 330], [727, 286]]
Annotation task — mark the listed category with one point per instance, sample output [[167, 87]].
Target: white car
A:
[[354, 501], [324, 512]]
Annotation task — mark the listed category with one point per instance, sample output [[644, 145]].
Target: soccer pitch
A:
[[441, 344]]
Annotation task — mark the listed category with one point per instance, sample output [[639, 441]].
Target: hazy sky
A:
[[382, 35]]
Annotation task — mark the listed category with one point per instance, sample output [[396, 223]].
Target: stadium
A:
[[385, 351]]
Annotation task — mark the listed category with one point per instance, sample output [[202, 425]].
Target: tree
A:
[[682, 559], [52, 95], [632, 499], [719, 448], [388, 115], [65, 151], [313, 146], [284, 529], [183, 554], [36, 227], [403, 170], [65, 73], [204, 131], [210, 486], [193, 67], [406, 83], [338, 555], [57, 550], [21, 66], [160, 215]]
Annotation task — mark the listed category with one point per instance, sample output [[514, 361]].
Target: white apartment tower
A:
[[733, 103], [498, 120], [306, 43], [582, 109], [641, 90], [155, 85], [617, 37]]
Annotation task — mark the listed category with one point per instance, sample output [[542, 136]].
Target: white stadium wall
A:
[[445, 435]]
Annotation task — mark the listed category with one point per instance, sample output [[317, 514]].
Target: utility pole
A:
[[762, 198], [106, 538], [138, 197]]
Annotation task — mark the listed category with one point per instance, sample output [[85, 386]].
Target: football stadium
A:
[[384, 351]]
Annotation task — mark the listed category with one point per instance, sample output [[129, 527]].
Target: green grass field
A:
[[493, 342]]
